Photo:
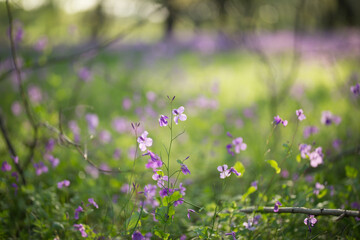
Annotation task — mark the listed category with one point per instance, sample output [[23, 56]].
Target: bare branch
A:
[[302, 210]]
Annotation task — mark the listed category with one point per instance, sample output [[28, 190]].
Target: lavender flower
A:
[[328, 118], [91, 201], [181, 189], [81, 229], [178, 114], [179, 202], [233, 234], [62, 184], [355, 89], [105, 136], [318, 188], [77, 211], [185, 169], [309, 130], [316, 157], [150, 191], [310, 221], [6, 167], [254, 184], [126, 103], [239, 144], [40, 168], [163, 121], [276, 207], [85, 74], [16, 108], [300, 114], [165, 192], [278, 120], [223, 171], [229, 149], [144, 141], [92, 121], [189, 211], [137, 236]]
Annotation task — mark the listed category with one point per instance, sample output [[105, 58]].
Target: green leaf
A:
[[178, 161], [274, 165], [131, 222], [240, 168], [322, 193], [172, 198], [164, 214], [351, 172], [249, 191]]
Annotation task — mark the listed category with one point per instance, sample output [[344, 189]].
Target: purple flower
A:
[[300, 114], [54, 161], [16, 188], [16, 108], [229, 149], [179, 202], [120, 124], [224, 172], [232, 170], [35, 94], [239, 144], [233, 234], [304, 150], [154, 162], [355, 89], [40, 45], [276, 207], [189, 211], [75, 130], [310, 221], [178, 114], [77, 211], [117, 153], [309, 130], [316, 157], [163, 121], [126, 103], [40, 168], [318, 188], [278, 120], [250, 224], [91, 201], [148, 236], [336, 144], [150, 191], [328, 118], [254, 184], [181, 189], [85, 74], [81, 229], [92, 121], [64, 183], [144, 141], [185, 169], [6, 167], [105, 136], [137, 236], [165, 192], [182, 237]]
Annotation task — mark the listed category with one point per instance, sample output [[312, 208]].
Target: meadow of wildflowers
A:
[[165, 141]]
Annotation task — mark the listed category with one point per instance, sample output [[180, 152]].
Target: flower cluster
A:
[[310, 221], [328, 118], [225, 172], [64, 183], [300, 114], [316, 156], [278, 120], [250, 224], [81, 229]]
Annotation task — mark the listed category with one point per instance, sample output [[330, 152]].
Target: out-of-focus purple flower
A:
[[16, 188], [62, 184], [160, 179], [92, 121], [304, 150], [278, 120], [35, 94], [254, 184], [332, 190], [336, 144], [93, 171], [131, 153], [310, 221], [182, 237], [165, 192], [144, 141], [300, 114], [239, 144], [233, 234], [16, 159], [224, 172], [151, 96], [355, 89], [105, 136], [163, 121], [276, 207], [120, 124], [184, 169], [126, 103], [148, 236], [53, 161], [81, 229], [125, 188], [41, 44], [85, 74], [92, 202], [250, 224], [309, 178], [318, 188], [328, 118], [229, 135], [40, 168], [117, 153], [74, 128], [137, 236], [5, 167], [150, 191], [179, 202], [77, 212], [181, 189], [309, 130], [16, 108], [190, 211], [316, 157], [15, 175], [50, 145], [285, 173], [178, 114]]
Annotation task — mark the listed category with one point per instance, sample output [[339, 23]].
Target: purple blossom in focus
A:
[[178, 114], [179, 202], [278, 120], [81, 229], [144, 141], [62, 184], [184, 169], [165, 192], [328, 118], [309, 130], [163, 121], [310, 221], [5, 167], [92, 121], [276, 207], [300, 114], [224, 172], [92, 202], [77, 212]]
